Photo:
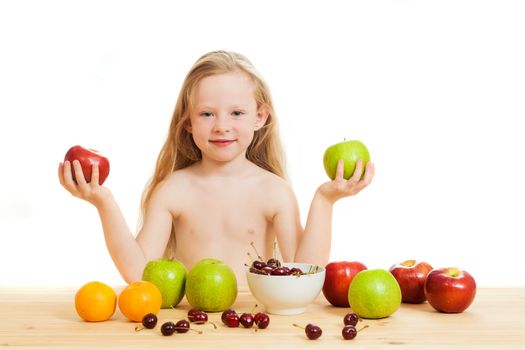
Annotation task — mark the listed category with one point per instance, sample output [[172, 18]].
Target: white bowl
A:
[[286, 295]]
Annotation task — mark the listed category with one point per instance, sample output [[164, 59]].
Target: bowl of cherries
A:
[[284, 288]]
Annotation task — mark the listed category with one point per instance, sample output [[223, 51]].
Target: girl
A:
[[219, 181]]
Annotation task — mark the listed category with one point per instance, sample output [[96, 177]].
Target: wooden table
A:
[[45, 318]]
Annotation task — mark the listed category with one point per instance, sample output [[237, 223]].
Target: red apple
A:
[[88, 157], [450, 289], [411, 276], [337, 280]]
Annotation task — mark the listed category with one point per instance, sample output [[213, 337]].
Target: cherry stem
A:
[[253, 309], [365, 326], [296, 325], [275, 250], [190, 329], [256, 252], [250, 256], [139, 328]]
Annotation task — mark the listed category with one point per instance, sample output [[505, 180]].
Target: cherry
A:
[[261, 320], [257, 264], [182, 326], [350, 319], [349, 332], [273, 262], [231, 320], [296, 271], [279, 271], [267, 270], [226, 313], [191, 314], [149, 321], [311, 330], [200, 317], [246, 320], [168, 328]]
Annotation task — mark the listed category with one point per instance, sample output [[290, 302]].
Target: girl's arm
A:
[[130, 255], [314, 245]]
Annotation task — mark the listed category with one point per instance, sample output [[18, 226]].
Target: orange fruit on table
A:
[[138, 299], [95, 301]]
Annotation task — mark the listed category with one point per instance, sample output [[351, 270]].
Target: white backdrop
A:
[[435, 89]]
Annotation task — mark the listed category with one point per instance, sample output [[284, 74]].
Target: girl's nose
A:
[[222, 124]]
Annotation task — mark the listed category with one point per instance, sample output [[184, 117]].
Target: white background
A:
[[435, 89]]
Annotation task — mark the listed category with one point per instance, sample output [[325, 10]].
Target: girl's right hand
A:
[[91, 192]]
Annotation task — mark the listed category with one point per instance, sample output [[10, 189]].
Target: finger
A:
[[369, 173], [358, 172], [340, 170], [79, 175], [61, 173], [67, 177], [94, 174]]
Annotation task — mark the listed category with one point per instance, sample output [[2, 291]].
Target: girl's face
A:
[[225, 116]]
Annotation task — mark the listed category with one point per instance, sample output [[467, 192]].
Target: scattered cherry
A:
[[231, 320], [168, 328], [311, 330], [191, 314], [149, 321], [182, 326], [226, 313], [246, 320], [350, 319], [349, 332], [261, 320], [200, 317]]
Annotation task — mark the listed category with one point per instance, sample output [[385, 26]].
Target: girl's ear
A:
[[187, 125], [262, 117]]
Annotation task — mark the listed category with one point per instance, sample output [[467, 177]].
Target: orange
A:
[[95, 301], [138, 299]]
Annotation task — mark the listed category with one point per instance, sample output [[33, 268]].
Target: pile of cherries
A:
[[273, 267], [349, 331], [232, 320]]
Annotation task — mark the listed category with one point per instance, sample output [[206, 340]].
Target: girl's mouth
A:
[[222, 143]]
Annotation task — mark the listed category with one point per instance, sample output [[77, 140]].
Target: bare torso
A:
[[216, 217]]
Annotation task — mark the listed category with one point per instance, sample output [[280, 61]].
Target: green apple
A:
[[350, 152], [211, 285], [374, 294], [169, 275]]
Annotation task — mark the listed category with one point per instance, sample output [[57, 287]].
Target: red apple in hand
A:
[[450, 289], [411, 276], [337, 280], [88, 157]]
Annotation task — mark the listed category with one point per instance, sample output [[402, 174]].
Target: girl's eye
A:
[[238, 113], [206, 114]]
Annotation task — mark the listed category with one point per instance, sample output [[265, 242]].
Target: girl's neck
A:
[[234, 168]]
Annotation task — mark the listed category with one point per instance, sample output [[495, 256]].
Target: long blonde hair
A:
[[179, 150]]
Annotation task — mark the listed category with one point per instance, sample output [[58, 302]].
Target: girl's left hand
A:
[[340, 188]]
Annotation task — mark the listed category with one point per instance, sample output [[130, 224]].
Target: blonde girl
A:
[[219, 181]]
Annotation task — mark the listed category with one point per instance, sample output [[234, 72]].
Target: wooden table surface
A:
[[45, 318]]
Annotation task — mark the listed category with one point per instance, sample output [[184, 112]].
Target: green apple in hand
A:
[[374, 294], [169, 275], [350, 152], [211, 285]]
